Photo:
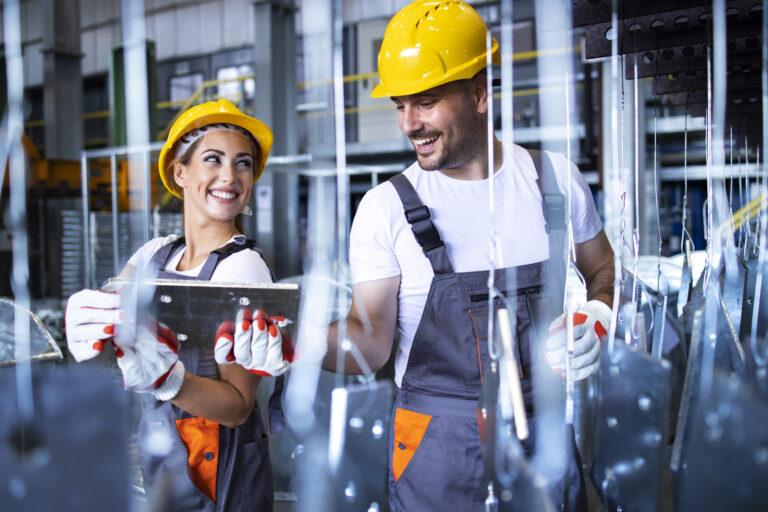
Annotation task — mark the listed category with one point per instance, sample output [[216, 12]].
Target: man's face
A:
[[446, 124]]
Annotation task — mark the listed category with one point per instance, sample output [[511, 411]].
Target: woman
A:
[[199, 405]]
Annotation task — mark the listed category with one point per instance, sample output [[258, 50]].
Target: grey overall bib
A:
[[435, 452], [209, 467]]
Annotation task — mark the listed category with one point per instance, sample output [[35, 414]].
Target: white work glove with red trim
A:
[[590, 328], [90, 321], [255, 342], [151, 364]]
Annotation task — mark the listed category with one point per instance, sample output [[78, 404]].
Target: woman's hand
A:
[[90, 321], [255, 342], [151, 364]]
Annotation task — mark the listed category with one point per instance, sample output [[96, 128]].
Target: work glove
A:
[[255, 342], [151, 363], [90, 321], [590, 327]]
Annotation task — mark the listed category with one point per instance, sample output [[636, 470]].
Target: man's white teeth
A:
[[421, 142], [223, 195]]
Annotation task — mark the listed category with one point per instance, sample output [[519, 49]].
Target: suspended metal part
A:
[[659, 326], [633, 430], [616, 182], [80, 423], [689, 389], [511, 374], [359, 439], [725, 461], [42, 346]]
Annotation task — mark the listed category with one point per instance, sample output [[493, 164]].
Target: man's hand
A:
[[590, 327], [255, 342], [151, 363], [90, 321]]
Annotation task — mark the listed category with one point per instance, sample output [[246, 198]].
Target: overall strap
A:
[[163, 255], [240, 243], [424, 230], [553, 206]]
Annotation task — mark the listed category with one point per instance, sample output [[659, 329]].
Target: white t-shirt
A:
[[246, 266], [382, 244]]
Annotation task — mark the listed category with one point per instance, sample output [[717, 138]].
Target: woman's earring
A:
[[247, 210]]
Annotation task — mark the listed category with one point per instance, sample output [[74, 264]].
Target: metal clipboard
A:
[[195, 309]]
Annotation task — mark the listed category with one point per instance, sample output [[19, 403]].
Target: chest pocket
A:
[[525, 335]]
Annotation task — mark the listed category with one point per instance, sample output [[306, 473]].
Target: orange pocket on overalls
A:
[[410, 427], [201, 437]]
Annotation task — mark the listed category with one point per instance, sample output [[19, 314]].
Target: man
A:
[[419, 259]]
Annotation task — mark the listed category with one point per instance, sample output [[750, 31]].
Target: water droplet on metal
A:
[[377, 429], [761, 456], [17, 488], [612, 422], [506, 495], [374, 507], [244, 301], [182, 337], [350, 491], [644, 403], [356, 423], [615, 370], [652, 438], [165, 299]]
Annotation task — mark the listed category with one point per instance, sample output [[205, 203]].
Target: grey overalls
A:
[[206, 460], [435, 453]]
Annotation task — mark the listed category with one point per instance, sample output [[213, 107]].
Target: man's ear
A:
[[479, 92], [179, 174]]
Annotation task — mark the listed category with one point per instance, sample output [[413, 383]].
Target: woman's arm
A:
[[228, 401]]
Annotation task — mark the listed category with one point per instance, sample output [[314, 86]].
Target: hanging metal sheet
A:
[[73, 456], [42, 346], [633, 429], [359, 441], [725, 463]]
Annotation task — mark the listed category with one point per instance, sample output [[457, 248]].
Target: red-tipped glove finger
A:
[[259, 342], [224, 347], [243, 334]]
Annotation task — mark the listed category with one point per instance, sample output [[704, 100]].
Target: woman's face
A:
[[218, 178]]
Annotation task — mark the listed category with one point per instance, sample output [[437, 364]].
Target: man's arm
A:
[[370, 325], [594, 259]]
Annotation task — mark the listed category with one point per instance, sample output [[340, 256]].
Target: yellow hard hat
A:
[[212, 112], [430, 43]]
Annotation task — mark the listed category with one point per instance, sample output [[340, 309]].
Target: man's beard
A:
[[469, 144]]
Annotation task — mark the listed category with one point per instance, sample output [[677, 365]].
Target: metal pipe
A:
[[17, 214], [491, 171], [115, 214], [616, 173], [342, 179], [85, 205]]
